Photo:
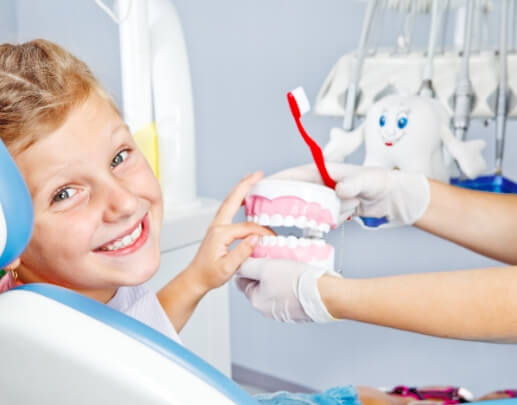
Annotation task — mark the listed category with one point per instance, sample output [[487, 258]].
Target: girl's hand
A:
[[214, 263]]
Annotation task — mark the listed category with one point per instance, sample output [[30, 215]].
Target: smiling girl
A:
[[97, 206]]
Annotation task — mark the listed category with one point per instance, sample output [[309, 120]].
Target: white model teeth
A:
[[300, 222], [278, 220], [263, 220], [289, 221], [125, 241], [290, 241], [325, 228], [304, 242]]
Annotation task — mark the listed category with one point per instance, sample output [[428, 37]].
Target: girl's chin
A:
[[139, 274]]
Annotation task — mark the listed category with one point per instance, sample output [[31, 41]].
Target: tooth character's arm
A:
[[343, 143], [468, 154]]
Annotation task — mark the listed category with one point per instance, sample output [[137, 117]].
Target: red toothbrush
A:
[[299, 105]]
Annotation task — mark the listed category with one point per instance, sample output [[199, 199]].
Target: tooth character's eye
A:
[[382, 120], [402, 122]]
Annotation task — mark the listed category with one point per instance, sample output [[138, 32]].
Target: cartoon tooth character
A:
[[410, 133]]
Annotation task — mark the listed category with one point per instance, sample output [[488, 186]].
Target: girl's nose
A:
[[120, 203]]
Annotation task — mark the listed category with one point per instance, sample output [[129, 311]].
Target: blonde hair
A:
[[40, 83]]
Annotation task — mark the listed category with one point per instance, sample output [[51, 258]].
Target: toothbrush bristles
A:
[[301, 99]]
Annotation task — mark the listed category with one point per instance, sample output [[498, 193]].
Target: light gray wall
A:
[[8, 21], [80, 27], [245, 55]]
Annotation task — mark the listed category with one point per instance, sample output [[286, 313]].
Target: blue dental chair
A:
[[59, 347]]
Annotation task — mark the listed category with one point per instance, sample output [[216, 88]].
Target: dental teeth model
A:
[[284, 203]]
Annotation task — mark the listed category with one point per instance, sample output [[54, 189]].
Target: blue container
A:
[[495, 183]]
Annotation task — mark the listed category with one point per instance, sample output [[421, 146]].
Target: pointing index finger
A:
[[234, 200]]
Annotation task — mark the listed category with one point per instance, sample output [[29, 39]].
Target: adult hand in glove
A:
[[284, 290], [401, 197]]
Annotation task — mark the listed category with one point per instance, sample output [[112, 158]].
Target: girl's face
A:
[[97, 205]]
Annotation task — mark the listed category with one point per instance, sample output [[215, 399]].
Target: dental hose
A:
[[353, 89], [464, 93], [426, 88], [502, 92]]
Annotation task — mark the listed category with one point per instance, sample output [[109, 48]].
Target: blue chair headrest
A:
[[16, 212]]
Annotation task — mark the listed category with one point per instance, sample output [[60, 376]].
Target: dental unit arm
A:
[[353, 92], [464, 95]]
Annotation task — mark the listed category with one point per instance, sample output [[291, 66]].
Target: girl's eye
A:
[[382, 121], [402, 122], [119, 158], [64, 194]]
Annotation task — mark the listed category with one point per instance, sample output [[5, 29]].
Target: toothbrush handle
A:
[[316, 152]]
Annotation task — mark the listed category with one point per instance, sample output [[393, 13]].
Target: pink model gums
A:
[[296, 212], [283, 203]]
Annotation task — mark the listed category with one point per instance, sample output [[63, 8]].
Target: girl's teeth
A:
[[136, 232], [126, 240]]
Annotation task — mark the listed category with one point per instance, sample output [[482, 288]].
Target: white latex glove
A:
[[402, 197], [284, 290]]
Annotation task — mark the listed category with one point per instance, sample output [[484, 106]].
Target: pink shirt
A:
[[7, 282]]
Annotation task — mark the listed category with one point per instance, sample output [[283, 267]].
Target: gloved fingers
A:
[[349, 205], [345, 217], [252, 268], [348, 209], [308, 173], [339, 171], [353, 186], [245, 285]]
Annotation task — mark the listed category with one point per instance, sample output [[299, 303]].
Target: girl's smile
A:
[[129, 242]]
